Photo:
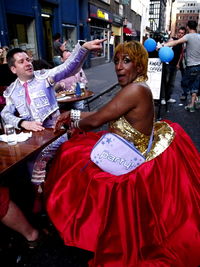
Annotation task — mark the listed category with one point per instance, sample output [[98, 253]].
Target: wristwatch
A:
[[19, 124], [81, 42]]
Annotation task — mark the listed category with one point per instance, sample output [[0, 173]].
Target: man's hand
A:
[[35, 126], [94, 45], [159, 45], [63, 119]]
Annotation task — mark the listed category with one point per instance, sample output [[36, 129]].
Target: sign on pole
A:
[[154, 76]]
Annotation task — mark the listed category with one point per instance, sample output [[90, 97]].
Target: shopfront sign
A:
[[117, 19], [102, 15], [98, 13]]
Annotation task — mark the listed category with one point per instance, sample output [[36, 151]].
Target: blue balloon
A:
[[166, 54], [150, 45]]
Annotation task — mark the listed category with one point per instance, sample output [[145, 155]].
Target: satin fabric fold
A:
[[147, 218]]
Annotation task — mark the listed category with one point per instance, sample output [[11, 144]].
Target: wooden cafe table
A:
[[11, 156], [73, 98]]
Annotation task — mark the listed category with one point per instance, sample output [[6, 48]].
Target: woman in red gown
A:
[[149, 217]]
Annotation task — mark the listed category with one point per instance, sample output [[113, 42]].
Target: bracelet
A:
[[75, 114], [75, 124]]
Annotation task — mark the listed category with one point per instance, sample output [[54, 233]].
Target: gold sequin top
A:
[[163, 136]]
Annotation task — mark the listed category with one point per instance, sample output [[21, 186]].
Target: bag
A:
[[115, 155]]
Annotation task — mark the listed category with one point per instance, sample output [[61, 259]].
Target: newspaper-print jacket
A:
[[43, 106]]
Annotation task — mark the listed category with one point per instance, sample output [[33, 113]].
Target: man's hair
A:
[[182, 29], [192, 24], [10, 56], [137, 53], [56, 36]]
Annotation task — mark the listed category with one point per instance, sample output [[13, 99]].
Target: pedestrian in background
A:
[[191, 77], [3, 52], [170, 70], [58, 49], [69, 85], [112, 44]]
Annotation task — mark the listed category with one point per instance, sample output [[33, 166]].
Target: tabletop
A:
[[73, 98], [11, 156]]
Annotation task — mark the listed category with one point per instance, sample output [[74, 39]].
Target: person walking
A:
[[191, 78]]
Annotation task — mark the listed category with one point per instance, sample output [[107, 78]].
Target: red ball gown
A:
[[149, 217]]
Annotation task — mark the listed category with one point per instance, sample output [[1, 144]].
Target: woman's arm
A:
[[129, 99], [64, 119]]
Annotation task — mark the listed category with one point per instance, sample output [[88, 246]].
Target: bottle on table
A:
[[78, 89]]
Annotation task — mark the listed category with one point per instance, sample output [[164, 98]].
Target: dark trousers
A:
[[191, 80], [168, 80]]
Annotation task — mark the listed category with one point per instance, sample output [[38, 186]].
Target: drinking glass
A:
[[11, 134]]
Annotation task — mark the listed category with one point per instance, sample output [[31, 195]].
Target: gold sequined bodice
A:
[[163, 136], [124, 129]]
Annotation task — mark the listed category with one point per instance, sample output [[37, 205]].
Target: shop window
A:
[[98, 33], [69, 35], [17, 29], [21, 32]]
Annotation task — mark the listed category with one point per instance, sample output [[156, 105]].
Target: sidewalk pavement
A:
[[176, 112], [101, 79]]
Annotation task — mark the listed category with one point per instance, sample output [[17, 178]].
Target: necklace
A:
[[140, 79]]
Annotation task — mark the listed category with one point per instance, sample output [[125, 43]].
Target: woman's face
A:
[[125, 69]]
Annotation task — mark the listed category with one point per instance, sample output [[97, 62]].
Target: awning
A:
[[129, 31]]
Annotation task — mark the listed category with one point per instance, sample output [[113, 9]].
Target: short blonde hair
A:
[[137, 53]]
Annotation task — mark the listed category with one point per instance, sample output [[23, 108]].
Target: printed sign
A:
[[154, 76]]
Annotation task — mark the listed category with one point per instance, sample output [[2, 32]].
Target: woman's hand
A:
[[63, 119]]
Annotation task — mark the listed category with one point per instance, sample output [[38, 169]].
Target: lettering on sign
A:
[[102, 15], [106, 155], [154, 76]]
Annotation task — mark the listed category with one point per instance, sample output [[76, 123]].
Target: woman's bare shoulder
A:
[[137, 89]]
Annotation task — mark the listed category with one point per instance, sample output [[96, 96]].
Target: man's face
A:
[[181, 33], [23, 67]]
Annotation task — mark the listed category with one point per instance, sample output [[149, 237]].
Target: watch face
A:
[[81, 42]]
